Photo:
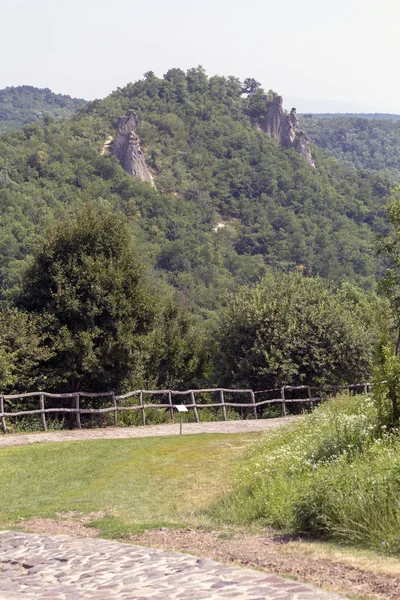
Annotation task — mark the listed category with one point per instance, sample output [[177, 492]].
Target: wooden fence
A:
[[282, 396]]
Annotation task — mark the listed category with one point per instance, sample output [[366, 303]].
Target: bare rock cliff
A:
[[286, 128], [127, 149]]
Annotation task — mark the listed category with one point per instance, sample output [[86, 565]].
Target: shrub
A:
[[334, 474], [358, 501]]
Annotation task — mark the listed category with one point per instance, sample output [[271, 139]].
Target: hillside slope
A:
[[357, 141], [27, 104], [228, 204]]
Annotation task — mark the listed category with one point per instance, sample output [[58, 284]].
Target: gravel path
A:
[[18, 439], [54, 567]]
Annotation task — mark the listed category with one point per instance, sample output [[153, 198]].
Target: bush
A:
[[358, 501], [387, 387], [291, 329]]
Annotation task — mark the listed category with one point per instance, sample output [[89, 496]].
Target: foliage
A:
[[22, 350], [387, 386], [177, 357], [334, 474], [89, 288], [356, 502], [229, 206], [358, 141], [26, 104], [369, 116], [291, 328], [229, 203], [389, 285]]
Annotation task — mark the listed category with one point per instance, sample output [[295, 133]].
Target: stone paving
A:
[[54, 567], [252, 425]]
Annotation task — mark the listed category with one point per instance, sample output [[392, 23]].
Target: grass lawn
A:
[[137, 483], [141, 485]]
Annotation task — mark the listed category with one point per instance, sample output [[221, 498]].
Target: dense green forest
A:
[[212, 169], [358, 141], [27, 104], [229, 207]]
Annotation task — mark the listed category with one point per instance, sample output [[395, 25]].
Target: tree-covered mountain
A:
[[228, 202], [369, 142], [27, 104]]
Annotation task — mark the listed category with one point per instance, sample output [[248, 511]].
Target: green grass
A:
[[335, 475], [137, 483]]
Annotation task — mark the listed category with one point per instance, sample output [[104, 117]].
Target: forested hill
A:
[[369, 116], [228, 204], [361, 141], [28, 104]]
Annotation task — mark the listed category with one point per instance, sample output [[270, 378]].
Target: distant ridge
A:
[[27, 104], [364, 141], [370, 116]]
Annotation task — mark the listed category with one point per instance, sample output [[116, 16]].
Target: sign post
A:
[[181, 408]]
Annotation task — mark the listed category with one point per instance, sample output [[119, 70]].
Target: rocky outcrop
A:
[[128, 151], [286, 128]]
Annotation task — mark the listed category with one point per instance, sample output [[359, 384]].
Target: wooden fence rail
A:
[[76, 408]]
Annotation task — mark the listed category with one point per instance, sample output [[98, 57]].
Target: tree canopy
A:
[[292, 328], [229, 202], [357, 141], [26, 104], [89, 289], [229, 207]]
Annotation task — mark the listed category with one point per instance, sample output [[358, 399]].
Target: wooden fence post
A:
[[310, 396], [42, 414], [77, 408], [115, 411], [222, 398], [196, 414], [253, 399], [283, 402], [3, 419], [141, 404], [171, 408]]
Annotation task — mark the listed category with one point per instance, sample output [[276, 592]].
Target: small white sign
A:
[[181, 408]]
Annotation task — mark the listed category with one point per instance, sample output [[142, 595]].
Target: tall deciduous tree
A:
[[89, 287]]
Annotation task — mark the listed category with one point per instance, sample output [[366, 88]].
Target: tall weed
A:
[[336, 473]]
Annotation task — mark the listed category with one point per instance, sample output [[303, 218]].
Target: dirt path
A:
[[285, 556], [22, 439]]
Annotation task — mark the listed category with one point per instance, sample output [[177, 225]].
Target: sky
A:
[[320, 55]]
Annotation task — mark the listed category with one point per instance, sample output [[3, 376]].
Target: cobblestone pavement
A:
[[61, 568], [144, 431]]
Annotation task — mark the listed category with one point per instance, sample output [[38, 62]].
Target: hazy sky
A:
[[336, 55]]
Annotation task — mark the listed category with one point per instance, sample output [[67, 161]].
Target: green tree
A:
[[389, 286], [177, 359], [89, 288], [250, 85], [291, 329], [387, 382], [22, 351]]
